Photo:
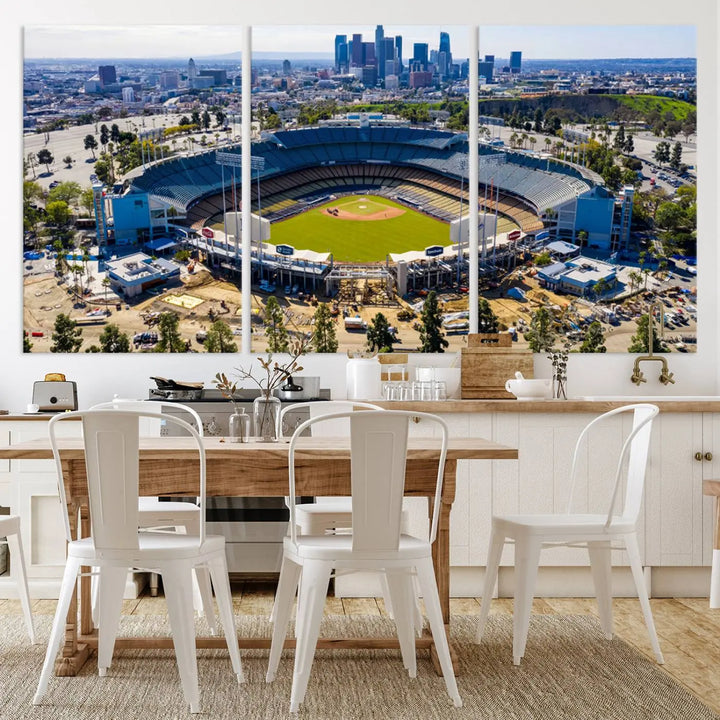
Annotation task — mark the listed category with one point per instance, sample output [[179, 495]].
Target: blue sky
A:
[[535, 42]]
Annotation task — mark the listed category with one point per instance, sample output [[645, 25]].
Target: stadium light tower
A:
[[258, 163], [463, 166]]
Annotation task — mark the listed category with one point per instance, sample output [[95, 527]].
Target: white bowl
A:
[[527, 389]]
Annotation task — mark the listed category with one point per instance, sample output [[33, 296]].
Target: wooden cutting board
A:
[[487, 364]]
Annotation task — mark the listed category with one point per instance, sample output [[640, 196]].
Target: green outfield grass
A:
[[360, 240]]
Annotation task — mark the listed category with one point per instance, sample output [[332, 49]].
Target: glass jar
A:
[[266, 418], [239, 427]]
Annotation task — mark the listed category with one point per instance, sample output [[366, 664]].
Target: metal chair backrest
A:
[[378, 445], [317, 408], [633, 459], [111, 440], [155, 407]]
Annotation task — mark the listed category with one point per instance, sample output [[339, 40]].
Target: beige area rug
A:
[[570, 671]]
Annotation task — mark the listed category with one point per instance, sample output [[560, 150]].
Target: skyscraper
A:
[[356, 51], [380, 51], [340, 40], [486, 69], [398, 52], [192, 70], [107, 75], [420, 54], [515, 61], [389, 43], [444, 42]]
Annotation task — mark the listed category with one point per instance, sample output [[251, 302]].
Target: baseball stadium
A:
[[387, 202]]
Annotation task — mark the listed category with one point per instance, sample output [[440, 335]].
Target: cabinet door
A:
[[710, 471], [673, 492]]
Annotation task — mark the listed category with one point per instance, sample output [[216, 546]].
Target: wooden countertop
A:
[[573, 405], [577, 405]]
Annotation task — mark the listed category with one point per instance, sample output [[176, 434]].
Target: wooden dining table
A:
[[169, 467]]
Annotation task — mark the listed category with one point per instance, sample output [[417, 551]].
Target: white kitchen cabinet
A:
[[679, 518], [29, 489]]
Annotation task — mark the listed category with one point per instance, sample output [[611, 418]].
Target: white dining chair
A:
[[378, 442], [335, 514], [154, 513], [10, 530], [111, 440], [596, 532]]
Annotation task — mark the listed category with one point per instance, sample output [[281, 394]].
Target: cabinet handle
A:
[[708, 456], [698, 456]]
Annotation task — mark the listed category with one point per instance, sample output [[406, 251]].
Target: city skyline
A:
[[566, 41]]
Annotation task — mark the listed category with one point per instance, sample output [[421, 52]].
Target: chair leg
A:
[[284, 567], [497, 542], [636, 565], [400, 589], [527, 557], [428, 587], [387, 596], [221, 582], [111, 581], [177, 581], [17, 558], [601, 566], [313, 592], [202, 577], [58, 628], [284, 598]]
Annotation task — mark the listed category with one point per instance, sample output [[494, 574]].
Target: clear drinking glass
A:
[[439, 390]]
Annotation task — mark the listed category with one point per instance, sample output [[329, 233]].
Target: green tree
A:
[[275, 330], [619, 142], [220, 338], [629, 144], [206, 119], [58, 213], [87, 200], [487, 320], [67, 337], [27, 345], [324, 339], [90, 143], [112, 340], [540, 336], [594, 339], [45, 157], [676, 156], [639, 341], [104, 135], [432, 339], [115, 133], [68, 161], [220, 118], [31, 214], [170, 340], [379, 336], [67, 191], [662, 152]]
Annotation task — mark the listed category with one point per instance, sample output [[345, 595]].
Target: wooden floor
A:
[[689, 631]]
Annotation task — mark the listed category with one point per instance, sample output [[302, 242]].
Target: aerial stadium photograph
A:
[[360, 205]]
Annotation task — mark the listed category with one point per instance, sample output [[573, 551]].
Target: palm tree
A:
[[106, 284]]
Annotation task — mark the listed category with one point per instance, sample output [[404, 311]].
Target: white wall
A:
[[98, 376]]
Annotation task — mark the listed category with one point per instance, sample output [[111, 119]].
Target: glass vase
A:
[[239, 427], [266, 418]]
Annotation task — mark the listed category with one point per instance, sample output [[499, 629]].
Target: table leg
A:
[[73, 654], [441, 557]]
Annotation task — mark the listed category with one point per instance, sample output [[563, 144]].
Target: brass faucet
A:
[[666, 376]]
